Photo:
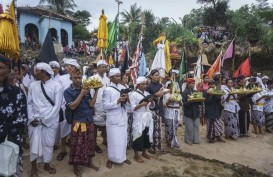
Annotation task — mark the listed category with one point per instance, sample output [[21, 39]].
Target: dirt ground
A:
[[254, 153]]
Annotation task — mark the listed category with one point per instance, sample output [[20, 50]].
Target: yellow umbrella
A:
[[103, 32], [9, 39]]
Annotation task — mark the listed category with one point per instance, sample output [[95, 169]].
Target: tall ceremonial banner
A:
[[244, 69], [112, 34], [125, 62], [162, 60], [198, 70], [135, 63], [229, 52], [182, 67], [47, 52], [216, 67], [142, 65]]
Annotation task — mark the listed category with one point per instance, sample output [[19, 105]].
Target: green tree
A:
[[60, 6], [134, 15], [216, 16], [245, 24], [213, 2], [83, 17], [80, 32], [195, 18]]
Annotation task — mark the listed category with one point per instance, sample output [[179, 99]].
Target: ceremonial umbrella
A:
[[102, 32], [9, 40]]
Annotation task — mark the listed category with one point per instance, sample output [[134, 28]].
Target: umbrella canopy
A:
[[9, 38], [103, 32], [204, 61]]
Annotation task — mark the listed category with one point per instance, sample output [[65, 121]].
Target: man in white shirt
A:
[[44, 101], [27, 78], [65, 128], [116, 119], [142, 120], [100, 115], [55, 66]]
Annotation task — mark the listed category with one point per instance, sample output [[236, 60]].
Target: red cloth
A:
[[216, 67], [190, 80], [244, 69], [1, 9]]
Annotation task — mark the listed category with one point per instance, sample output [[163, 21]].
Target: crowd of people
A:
[[46, 109]]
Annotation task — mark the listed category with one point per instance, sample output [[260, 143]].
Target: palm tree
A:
[[134, 15], [207, 2], [60, 6]]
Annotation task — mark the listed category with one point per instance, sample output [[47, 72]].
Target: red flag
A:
[[244, 69], [1, 9], [229, 51], [216, 67]]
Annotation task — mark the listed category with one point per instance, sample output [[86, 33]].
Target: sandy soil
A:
[[254, 151]]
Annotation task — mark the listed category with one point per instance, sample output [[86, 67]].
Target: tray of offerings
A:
[[214, 91], [253, 90], [196, 97], [91, 83]]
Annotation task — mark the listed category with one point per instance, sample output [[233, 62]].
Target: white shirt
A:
[[258, 106], [268, 107], [106, 82], [142, 117], [39, 107], [231, 105], [65, 81], [27, 80], [57, 77], [173, 103], [115, 113]]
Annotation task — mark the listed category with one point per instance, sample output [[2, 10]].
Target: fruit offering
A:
[[215, 91], [91, 83], [196, 97]]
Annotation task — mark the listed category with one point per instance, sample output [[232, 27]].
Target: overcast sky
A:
[[160, 8]]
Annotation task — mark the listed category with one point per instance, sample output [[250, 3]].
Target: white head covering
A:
[[140, 80], [101, 62], [54, 64], [45, 67], [265, 77], [175, 71], [70, 61], [114, 71]]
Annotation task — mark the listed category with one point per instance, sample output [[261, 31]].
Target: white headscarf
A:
[[54, 64], [45, 67], [70, 61], [140, 80], [101, 62], [265, 77], [114, 71]]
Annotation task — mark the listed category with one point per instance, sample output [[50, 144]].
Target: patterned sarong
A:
[[82, 145]]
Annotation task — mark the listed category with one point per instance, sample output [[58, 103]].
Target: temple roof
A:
[[40, 11]]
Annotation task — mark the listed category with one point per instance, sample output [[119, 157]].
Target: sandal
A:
[[61, 156], [50, 170], [128, 162]]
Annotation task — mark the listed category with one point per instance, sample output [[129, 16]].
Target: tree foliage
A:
[[134, 15], [60, 6], [83, 17], [80, 32]]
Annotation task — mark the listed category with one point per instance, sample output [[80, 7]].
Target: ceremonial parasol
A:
[[103, 32], [9, 39]]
